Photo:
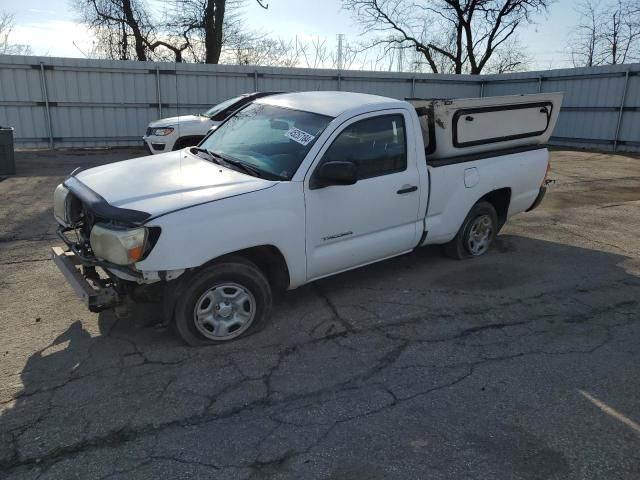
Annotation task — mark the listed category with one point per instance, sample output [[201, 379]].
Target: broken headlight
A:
[[67, 209], [118, 245]]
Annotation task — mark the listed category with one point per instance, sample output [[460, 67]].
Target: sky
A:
[[51, 27]]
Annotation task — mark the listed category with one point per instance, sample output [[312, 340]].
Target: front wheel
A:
[[229, 299], [476, 234]]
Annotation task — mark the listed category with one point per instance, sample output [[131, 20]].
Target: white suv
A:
[[175, 133]]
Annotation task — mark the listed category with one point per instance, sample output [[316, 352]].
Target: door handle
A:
[[407, 189]]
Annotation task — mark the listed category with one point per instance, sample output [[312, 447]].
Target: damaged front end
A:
[[96, 293], [103, 243]]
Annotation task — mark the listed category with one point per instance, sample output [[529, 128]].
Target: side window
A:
[[376, 145]]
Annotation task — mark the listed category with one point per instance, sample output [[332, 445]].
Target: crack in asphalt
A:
[[357, 382], [321, 293], [17, 262]]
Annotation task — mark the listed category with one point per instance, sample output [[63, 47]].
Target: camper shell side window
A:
[[427, 128]]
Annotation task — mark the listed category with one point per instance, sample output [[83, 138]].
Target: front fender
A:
[[196, 235]]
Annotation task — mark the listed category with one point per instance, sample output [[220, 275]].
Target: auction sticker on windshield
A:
[[300, 136]]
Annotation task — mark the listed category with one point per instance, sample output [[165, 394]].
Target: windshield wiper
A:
[[209, 154], [223, 159], [238, 164], [244, 166]]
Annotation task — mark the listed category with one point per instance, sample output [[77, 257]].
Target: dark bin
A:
[[7, 160]]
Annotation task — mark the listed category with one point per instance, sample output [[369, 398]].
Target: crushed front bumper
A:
[[95, 297]]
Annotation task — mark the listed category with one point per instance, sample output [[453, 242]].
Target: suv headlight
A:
[[163, 131], [119, 246], [67, 209]]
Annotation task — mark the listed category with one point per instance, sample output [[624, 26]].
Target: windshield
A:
[[270, 139], [213, 111]]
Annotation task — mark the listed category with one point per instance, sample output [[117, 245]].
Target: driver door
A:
[[375, 218]]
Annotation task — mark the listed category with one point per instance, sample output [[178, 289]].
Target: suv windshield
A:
[[213, 111], [270, 139]]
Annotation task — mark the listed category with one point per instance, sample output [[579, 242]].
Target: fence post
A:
[[158, 94], [413, 87], [45, 97], [339, 78], [621, 112], [482, 82], [540, 84], [255, 80]]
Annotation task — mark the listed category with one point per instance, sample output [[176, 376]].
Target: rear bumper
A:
[[538, 200], [96, 298]]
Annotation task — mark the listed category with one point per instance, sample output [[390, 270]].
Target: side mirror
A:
[[337, 173]]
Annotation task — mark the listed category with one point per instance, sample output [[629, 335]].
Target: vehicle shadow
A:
[[83, 392]]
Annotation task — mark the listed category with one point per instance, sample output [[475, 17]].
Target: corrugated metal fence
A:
[[64, 102]]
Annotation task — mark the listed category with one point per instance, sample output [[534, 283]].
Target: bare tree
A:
[[122, 27], [316, 53], [454, 36], [251, 48], [125, 30], [607, 33], [208, 25], [193, 30], [6, 46], [512, 58], [586, 36], [621, 32]]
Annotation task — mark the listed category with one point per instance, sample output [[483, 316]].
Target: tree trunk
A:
[[127, 9], [614, 40], [124, 45], [213, 24]]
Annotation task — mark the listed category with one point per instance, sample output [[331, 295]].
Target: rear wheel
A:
[[476, 234], [227, 300]]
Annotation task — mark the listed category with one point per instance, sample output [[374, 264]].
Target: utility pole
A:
[[340, 61]]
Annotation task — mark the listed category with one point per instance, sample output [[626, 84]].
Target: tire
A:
[[179, 145], [228, 299], [477, 233]]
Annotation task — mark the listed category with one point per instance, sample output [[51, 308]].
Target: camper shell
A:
[[472, 126]]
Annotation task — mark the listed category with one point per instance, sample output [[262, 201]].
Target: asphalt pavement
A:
[[522, 364]]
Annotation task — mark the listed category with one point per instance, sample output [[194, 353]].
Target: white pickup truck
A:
[[295, 187]]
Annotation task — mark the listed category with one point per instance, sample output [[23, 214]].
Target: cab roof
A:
[[331, 104]]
